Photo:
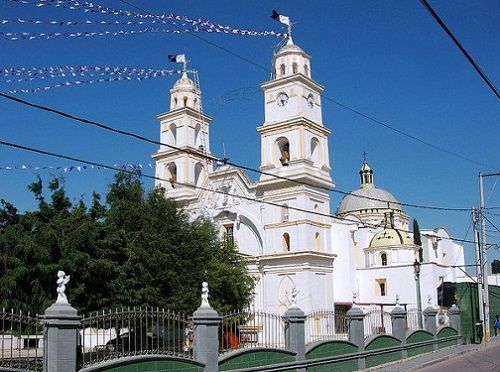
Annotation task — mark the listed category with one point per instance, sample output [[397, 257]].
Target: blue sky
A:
[[386, 59]]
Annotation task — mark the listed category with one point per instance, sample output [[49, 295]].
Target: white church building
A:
[[282, 224]]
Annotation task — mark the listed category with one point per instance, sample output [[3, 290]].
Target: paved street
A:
[[487, 358]]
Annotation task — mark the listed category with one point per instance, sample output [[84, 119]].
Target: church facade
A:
[[282, 223]]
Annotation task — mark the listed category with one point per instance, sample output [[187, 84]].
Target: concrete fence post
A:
[[356, 331], [398, 318], [62, 324], [206, 337], [430, 320], [206, 333], [454, 314], [295, 336]]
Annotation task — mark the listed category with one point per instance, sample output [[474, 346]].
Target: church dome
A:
[[367, 197], [290, 47], [364, 198], [184, 83], [390, 238]]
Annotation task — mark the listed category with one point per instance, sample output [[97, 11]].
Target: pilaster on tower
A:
[[181, 161]]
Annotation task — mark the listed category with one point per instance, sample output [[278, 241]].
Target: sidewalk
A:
[[417, 362]]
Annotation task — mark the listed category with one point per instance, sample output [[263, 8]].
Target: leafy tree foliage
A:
[[135, 249]]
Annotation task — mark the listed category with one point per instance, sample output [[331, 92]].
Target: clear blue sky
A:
[[387, 59]]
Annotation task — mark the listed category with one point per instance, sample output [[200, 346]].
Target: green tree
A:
[[417, 240], [136, 249]]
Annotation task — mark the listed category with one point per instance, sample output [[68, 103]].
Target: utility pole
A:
[[479, 268], [484, 256]]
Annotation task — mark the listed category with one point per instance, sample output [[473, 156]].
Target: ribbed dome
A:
[[367, 197], [290, 47], [184, 83], [391, 237], [359, 200]]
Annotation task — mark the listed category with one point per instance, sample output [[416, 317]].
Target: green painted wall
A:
[[256, 358], [155, 366], [467, 302], [419, 336], [382, 342], [330, 349], [446, 332]]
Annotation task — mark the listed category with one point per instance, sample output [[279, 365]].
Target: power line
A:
[[368, 117], [262, 201], [462, 49], [213, 158]]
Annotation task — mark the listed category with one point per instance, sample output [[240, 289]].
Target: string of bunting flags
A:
[[200, 25], [85, 22], [52, 35], [95, 81], [75, 168], [63, 71]]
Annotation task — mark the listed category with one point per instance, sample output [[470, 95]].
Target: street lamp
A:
[[416, 270]]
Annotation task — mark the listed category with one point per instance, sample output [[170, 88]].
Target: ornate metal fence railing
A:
[[21, 341], [377, 322], [246, 328], [325, 325], [137, 331], [412, 319]]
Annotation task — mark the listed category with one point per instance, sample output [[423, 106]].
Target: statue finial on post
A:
[[62, 280], [397, 299], [204, 295]]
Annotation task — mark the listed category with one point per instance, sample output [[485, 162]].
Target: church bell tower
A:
[[181, 161]]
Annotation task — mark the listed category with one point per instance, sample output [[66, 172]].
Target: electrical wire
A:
[[462, 49], [119, 169], [214, 158]]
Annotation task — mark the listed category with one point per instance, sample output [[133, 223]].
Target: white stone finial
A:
[[397, 300], [354, 297], [204, 295], [295, 292], [429, 299], [62, 280]]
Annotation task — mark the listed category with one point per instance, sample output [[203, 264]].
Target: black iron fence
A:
[[21, 341], [134, 331]]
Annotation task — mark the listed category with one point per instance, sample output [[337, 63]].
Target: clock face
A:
[[310, 101], [282, 99]]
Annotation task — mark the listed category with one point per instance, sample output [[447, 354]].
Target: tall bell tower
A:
[[295, 178], [182, 162]]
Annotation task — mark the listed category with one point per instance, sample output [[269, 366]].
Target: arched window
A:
[[282, 69], [284, 213], [316, 213], [283, 151], [197, 137], [195, 102], [173, 134], [185, 101], [316, 152], [175, 102], [383, 258], [306, 70], [172, 174], [198, 170], [295, 67], [286, 242], [317, 242]]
